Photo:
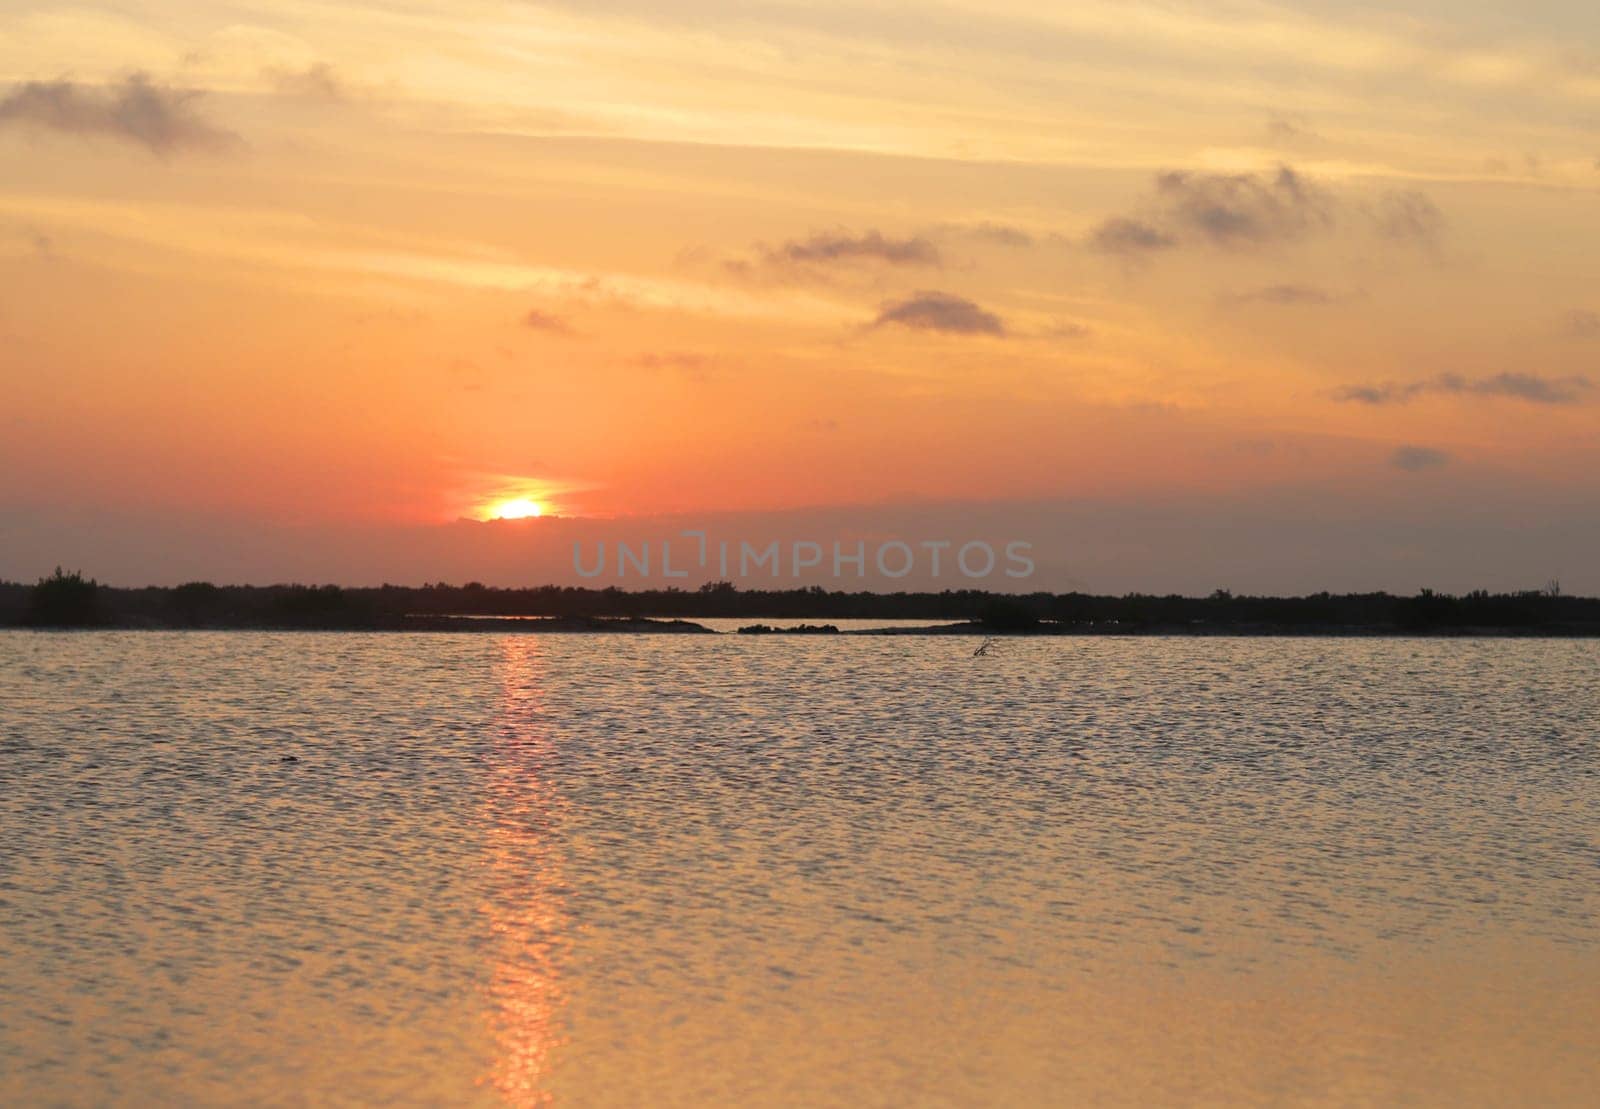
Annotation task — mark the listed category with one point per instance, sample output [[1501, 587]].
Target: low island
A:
[[71, 600]]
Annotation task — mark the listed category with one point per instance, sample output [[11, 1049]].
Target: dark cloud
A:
[[1246, 211], [1408, 216], [1287, 295], [934, 311], [843, 246], [1519, 386], [1389, 393], [1530, 387], [315, 82], [1583, 324], [544, 321], [161, 119], [1243, 209], [1413, 459], [1129, 236]]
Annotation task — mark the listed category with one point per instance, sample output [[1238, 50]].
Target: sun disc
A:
[[518, 508]]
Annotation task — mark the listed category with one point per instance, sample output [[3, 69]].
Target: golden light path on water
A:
[[526, 911], [691, 871]]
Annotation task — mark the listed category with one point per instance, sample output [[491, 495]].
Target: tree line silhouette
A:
[[71, 600]]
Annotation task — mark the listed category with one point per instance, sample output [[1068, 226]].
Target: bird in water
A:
[[983, 648]]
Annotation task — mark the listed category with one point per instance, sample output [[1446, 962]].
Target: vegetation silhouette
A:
[[64, 600], [70, 600]]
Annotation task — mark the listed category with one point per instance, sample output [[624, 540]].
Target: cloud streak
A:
[[1243, 209], [842, 246], [161, 119], [1287, 296], [1000, 234], [1580, 323], [1408, 216], [319, 81], [928, 310], [1253, 211], [1532, 388], [1120, 235], [1416, 459], [537, 320]]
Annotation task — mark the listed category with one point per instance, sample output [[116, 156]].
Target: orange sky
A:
[[321, 264]]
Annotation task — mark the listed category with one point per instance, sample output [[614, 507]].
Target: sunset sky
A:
[[1261, 296]]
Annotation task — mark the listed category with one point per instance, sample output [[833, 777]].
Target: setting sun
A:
[[519, 508]]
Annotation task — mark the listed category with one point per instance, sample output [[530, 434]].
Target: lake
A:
[[622, 870]]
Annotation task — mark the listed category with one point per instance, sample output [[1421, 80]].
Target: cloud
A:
[[999, 234], [1070, 329], [1407, 216], [1243, 209], [934, 311], [1247, 211], [1414, 459], [686, 364], [1286, 131], [315, 82], [842, 246], [1129, 236], [544, 321], [1389, 393], [1583, 324], [1531, 387], [1519, 386], [161, 119], [1287, 295]]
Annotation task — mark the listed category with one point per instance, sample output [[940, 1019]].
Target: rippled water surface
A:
[[688, 870]]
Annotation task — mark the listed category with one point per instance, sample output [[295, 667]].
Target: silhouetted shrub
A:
[[1008, 616], [324, 606], [196, 602], [1427, 610], [64, 600]]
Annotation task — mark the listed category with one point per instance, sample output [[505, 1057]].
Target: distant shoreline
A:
[[555, 625], [68, 599]]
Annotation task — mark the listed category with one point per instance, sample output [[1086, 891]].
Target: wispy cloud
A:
[[315, 82], [826, 247], [544, 321], [1581, 323], [1414, 459], [1286, 295], [1001, 234], [687, 364], [1243, 209], [1120, 235], [1519, 386], [1290, 131], [1408, 216], [161, 119], [1249, 211], [929, 310]]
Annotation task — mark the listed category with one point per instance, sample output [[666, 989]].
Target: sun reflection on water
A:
[[526, 910]]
